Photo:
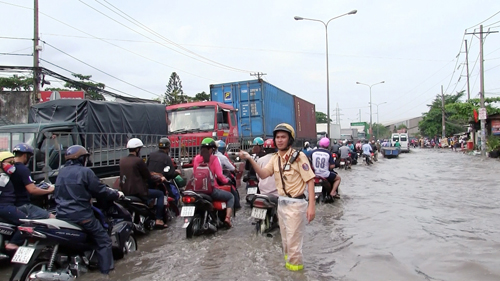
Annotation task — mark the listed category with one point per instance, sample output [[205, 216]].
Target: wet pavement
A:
[[427, 215]]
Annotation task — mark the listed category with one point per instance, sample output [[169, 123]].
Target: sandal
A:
[[11, 247], [161, 224]]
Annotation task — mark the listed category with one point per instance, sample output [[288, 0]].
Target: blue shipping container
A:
[[261, 106]]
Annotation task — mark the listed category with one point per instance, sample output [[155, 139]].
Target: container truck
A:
[[102, 127], [322, 131]]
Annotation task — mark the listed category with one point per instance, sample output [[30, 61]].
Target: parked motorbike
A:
[[6, 231], [252, 188], [201, 214], [265, 213], [58, 250]]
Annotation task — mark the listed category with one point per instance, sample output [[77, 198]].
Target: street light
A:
[[327, 73], [378, 124], [370, 86]]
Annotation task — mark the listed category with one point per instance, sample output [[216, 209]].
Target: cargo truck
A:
[[102, 127], [322, 131]]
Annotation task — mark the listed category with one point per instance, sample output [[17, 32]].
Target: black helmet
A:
[[164, 143]]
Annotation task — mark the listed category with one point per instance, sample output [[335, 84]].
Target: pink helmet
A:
[[324, 142]]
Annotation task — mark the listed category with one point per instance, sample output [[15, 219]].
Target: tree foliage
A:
[[174, 93], [458, 114], [92, 93], [380, 131], [201, 97], [16, 83], [321, 117]]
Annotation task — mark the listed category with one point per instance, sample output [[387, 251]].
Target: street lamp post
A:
[[378, 124], [370, 86], [327, 71]]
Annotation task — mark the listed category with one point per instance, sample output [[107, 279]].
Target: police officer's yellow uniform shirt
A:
[[295, 178]]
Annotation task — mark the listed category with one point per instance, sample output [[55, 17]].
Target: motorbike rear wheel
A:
[[129, 246], [194, 226], [32, 267]]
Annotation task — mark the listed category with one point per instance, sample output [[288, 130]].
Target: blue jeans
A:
[[222, 195], [34, 212], [12, 215], [160, 204]]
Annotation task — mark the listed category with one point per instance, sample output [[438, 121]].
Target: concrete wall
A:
[[411, 124], [14, 106]]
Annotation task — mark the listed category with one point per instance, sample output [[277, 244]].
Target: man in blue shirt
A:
[[367, 149], [24, 186], [323, 164]]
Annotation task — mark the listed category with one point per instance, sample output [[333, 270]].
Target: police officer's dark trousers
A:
[[103, 243]]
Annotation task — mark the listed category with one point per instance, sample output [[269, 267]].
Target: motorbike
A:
[[201, 214], [265, 213], [143, 216], [322, 190], [58, 250], [6, 231], [252, 188], [345, 162], [368, 158]]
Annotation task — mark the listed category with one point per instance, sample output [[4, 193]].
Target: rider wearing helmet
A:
[[8, 211], [293, 175], [76, 185], [257, 152], [207, 156], [323, 164], [24, 186], [224, 161], [335, 148], [267, 186], [159, 162], [135, 176]]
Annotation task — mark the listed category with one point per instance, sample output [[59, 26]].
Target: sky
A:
[[414, 46]]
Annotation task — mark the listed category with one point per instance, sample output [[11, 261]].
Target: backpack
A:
[[203, 179]]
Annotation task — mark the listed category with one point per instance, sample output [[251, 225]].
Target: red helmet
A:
[[269, 143]]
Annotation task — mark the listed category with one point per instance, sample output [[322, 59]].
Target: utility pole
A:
[[360, 115], [36, 49], [482, 109], [258, 74], [443, 134], [467, 65]]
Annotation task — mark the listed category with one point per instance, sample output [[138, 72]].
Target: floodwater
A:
[[428, 215]]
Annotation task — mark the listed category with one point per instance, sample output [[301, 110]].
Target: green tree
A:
[[174, 93], [201, 97], [321, 117], [431, 124], [402, 126], [16, 83], [90, 88], [380, 131]]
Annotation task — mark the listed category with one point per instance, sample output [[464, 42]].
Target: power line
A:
[[11, 54], [101, 70], [485, 20], [15, 38], [208, 61]]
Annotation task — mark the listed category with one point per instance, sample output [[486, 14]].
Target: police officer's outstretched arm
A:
[[262, 172], [99, 190]]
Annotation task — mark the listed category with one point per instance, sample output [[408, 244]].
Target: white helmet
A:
[[134, 143], [306, 144]]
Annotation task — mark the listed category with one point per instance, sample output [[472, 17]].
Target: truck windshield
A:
[[9, 140], [197, 119]]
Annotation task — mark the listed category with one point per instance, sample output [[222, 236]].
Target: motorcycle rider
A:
[[293, 175], [374, 149], [267, 186], [257, 152], [76, 185], [161, 167], [135, 176], [24, 186], [367, 149], [8, 211], [307, 149], [358, 146], [207, 156], [229, 167], [323, 164], [344, 153]]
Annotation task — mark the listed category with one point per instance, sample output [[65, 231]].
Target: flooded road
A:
[[428, 215]]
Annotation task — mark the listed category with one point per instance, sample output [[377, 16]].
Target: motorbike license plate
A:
[[252, 190], [23, 255], [342, 163], [318, 189], [259, 213], [187, 211]]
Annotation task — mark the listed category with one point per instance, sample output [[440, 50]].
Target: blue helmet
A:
[[221, 146], [258, 141], [23, 148]]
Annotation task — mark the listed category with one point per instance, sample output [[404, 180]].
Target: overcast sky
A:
[[411, 45]]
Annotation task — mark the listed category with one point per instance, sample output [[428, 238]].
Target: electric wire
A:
[[209, 62], [11, 54], [15, 38], [164, 38], [485, 20], [93, 67]]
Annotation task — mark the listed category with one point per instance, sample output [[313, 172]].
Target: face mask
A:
[[8, 168]]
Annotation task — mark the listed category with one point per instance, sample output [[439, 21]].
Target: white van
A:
[[403, 140], [394, 139]]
